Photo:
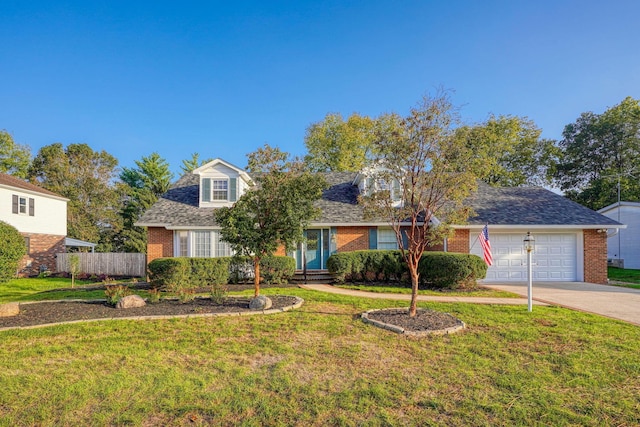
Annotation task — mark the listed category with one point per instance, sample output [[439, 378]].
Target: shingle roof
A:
[[530, 206], [339, 205], [12, 181]]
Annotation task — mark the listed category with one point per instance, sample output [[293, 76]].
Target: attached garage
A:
[[554, 259]]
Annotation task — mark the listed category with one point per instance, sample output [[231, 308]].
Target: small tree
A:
[[274, 211], [12, 250], [420, 175], [74, 267]]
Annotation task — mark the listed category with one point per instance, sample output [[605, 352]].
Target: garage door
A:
[[554, 258]]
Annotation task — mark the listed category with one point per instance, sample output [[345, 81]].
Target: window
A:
[[222, 248], [22, 205], [219, 189], [183, 243], [387, 239], [202, 244]]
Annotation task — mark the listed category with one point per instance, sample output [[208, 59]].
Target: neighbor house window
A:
[[219, 189], [387, 239], [23, 205], [183, 243], [202, 244]]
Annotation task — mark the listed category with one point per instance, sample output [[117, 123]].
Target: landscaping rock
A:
[[131, 301], [260, 303], [9, 309]]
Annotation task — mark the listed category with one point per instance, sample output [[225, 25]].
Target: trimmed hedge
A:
[[448, 270], [12, 250], [176, 274], [437, 269]]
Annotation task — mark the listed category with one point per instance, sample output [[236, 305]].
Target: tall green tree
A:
[[189, 165], [509, 152], [421, 172], [142, 186], [14, 158], [339, 145], [598, 152], [86, 178], [274, 211]]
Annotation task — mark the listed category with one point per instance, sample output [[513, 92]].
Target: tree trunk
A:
[[256, 272], [413, 271]]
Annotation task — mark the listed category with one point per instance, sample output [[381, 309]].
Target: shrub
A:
[[218, 293], [449, 270], [276, 270], [12, 250], [206, 272], [169, 273], [154, 295], [115, 292], [366, 265], [240, 269], [339, 264]]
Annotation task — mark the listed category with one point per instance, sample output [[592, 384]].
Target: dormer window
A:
[[218, 190], [23, 205]]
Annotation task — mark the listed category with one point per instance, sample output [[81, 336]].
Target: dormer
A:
[[221, 183], [373, 179]]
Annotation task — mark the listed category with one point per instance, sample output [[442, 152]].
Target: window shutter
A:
[[233, 189], [206, 190], [373, 238], [405, 239], [14, 206], [32, 207], [396, 190]]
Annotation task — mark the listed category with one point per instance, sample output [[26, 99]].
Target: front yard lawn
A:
[[480, 292], [627, 275], [47, 288], [321, 365]]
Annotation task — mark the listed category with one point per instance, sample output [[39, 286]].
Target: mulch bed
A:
[[424, 321], [53, 312]]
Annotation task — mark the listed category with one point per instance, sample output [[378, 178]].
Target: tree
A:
[[337, 145], [274, 211], [420, 174], [86, 178], [598, 152], [14, 158], [509, 151], [143, 185], [189, 165], [11, 251]]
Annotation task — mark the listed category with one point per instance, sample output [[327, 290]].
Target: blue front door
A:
[[313, 250]]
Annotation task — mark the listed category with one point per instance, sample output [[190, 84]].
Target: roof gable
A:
[[9, 181]]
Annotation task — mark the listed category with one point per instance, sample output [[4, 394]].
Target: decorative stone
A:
[[9, 309], [260, 303], [131, 301]]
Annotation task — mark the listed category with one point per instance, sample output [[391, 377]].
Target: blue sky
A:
[[223, 78]]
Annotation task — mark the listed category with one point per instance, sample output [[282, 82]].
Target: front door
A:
[[313, 250]]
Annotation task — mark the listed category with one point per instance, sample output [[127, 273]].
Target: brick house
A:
[[570, 239], [40, 216]]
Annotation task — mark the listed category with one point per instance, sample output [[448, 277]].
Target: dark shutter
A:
[[206, 189], [14, 206], [405, 239], [233, 189], [373, 238], [32, 207]]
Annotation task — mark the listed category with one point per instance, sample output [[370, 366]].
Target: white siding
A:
[[625, 245], [50, 215], [222, 172]]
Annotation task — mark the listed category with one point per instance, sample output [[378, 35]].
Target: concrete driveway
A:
[[611, 301]]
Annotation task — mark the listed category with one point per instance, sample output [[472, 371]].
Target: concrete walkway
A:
[[610, 301], [407, 297]]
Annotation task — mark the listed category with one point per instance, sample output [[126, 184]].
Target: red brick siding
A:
[[595, 256], [352, 239], [159, 243], [459, 242], [42, 251]]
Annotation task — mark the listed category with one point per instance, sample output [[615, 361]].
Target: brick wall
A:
[[159, 243], [352, 239], [42, 251], [459, 242], [595, 256]]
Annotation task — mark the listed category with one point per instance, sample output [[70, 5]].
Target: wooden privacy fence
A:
[[109, 264]]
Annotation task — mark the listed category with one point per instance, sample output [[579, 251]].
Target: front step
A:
[[313, 276]]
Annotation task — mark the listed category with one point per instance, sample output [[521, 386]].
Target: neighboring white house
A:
[[624, 247], [40, 216]]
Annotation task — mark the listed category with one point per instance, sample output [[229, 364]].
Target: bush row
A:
[[437, 269], [189, 273]]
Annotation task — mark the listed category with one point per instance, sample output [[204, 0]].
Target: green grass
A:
[[632, 277], [480, 292], [49, 288], [321, 365]]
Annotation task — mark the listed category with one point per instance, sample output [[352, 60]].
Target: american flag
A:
[[486, 246]]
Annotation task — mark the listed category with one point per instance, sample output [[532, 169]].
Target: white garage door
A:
[[554, 258]]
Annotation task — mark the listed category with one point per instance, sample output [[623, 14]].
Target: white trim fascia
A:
[[540, 227], [615, 205], [33, 193], [358, 224], [192, 227], [218, 160]]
